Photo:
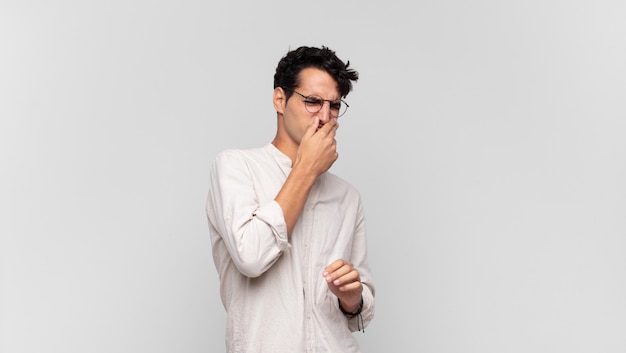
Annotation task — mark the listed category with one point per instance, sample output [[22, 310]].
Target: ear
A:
[[280, 100]]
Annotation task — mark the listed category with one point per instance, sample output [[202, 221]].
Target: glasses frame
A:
[[308, 98]]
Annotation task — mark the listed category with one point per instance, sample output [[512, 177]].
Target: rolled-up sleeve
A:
[[359, 260], [251, 227]]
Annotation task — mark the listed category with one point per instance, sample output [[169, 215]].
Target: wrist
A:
[[356, 310], [303, 172]]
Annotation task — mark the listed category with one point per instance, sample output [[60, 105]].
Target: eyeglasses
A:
[[314, 104]]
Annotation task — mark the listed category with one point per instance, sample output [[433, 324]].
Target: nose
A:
[[324, 113]]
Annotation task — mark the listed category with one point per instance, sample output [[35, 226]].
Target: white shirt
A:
[[270, 285]]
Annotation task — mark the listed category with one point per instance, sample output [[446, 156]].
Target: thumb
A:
[[312, 128]]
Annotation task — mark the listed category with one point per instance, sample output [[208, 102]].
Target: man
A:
[[288, 237]]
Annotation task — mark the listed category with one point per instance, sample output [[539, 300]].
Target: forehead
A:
[[317, 81]]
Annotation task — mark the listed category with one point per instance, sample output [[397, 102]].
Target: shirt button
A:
[[308, 316]]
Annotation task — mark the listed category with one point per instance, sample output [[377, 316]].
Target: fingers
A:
[[341, 274], [350, 285], [312, 127], [333, 125], [335, 265], [318, 148]]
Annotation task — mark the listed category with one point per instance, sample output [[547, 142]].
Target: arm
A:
[[255, 232], [316, 154], [351, 280], [249, 226]]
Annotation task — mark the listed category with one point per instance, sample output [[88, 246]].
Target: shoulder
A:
[[233, 155]]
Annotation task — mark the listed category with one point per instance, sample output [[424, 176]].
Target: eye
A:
[[336, 105], [314, 101]]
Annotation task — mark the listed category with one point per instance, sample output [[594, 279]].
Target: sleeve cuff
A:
[[273, 216]]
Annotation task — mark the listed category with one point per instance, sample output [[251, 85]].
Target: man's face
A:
[[313, 82]]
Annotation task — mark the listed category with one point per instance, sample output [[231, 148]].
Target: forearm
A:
[[292, 196]]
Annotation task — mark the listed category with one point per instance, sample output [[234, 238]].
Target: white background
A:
[[486, 137]]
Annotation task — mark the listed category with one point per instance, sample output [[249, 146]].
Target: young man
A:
[[288, 237]]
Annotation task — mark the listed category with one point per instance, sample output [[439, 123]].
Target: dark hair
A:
[[289, 67]]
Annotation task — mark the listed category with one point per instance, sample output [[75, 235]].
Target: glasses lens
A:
[[337, 108], [341, 108], [313, 104]]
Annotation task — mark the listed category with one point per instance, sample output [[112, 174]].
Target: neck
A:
[[286, 146], [283, 142]]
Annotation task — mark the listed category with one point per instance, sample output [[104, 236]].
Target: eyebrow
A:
[[318, 97]]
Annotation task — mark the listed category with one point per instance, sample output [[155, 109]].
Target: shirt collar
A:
[[278, 156]]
